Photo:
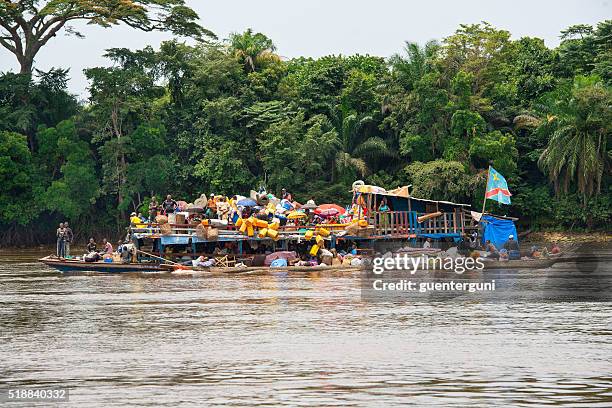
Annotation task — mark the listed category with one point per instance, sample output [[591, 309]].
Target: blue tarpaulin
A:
[[497, 230]]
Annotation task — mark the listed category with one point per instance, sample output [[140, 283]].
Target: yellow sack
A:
[[274, 226], [323, 232], [272, 233], [243, 227], [262, 233], [308, 235], [320, 241], [314, 250], [250, 230], [260, 223], [362, 223], [239, 222]]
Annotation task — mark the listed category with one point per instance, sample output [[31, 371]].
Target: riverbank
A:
[[567, 237]]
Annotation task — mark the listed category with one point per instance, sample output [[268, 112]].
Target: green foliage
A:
[[534, 202], [76, 190], [495, 148], [26, 104], [16, 194], [222, 168], [294, 151], [467, 124], [579, 124], [534, 69], [409, 69], [27, 26], [225, 117], [254, 50], [439, 180]]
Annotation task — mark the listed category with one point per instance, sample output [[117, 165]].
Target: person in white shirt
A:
[[427, 243]]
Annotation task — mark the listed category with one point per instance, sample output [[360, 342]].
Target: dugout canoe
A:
[[341, 270], [73, 265]]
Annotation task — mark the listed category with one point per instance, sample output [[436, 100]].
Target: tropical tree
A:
[[121, 98], [17, 203], [253, 49], [580, 123], [27, 25], [409, 68]]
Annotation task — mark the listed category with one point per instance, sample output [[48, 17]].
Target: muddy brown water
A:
[[144, 340]]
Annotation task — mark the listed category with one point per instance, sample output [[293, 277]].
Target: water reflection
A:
[[134, 340]]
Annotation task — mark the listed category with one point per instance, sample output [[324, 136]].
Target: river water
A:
[[149, 340]]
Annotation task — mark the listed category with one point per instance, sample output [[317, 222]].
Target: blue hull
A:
[[103, 267]]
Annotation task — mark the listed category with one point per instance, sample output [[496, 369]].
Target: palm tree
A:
[[580, 123], [415, 64], [253, 49], [357, 147]]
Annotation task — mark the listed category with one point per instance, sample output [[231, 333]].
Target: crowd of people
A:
[[471, 245], [65, 238], [284, 210], [229, 208], [510, 249]]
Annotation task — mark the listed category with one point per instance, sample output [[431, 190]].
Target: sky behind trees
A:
[[319, 27]]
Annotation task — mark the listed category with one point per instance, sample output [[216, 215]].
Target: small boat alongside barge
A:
[[75, 265]]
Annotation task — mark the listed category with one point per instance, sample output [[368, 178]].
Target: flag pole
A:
[[484, 201]]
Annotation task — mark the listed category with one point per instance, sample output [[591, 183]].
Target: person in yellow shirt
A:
[[135, 221]]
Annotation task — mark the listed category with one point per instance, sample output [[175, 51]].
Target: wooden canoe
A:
[[521, 263], [73, 265], [343, 270]]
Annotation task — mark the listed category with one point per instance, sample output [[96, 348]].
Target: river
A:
[[149, 340]]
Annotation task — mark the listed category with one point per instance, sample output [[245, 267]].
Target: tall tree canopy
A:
[[227, 116], [27, 25]]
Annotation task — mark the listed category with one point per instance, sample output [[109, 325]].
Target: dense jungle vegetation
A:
[[225, 116]]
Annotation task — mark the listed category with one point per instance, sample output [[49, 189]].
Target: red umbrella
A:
[[329, 209]]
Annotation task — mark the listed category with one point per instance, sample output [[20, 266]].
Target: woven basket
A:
[[213, 234], [202, 231], [165, 229]]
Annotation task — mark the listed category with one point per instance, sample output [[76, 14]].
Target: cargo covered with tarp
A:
[[497, 230]]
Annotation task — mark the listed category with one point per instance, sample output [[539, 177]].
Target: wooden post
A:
[[484, 201]]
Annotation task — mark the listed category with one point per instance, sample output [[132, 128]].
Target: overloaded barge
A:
[[247, 245]]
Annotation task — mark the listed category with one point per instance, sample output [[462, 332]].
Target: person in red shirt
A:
[[107, 248], [555, 249]]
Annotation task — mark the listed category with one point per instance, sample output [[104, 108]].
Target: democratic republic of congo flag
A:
[[497, 187]]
